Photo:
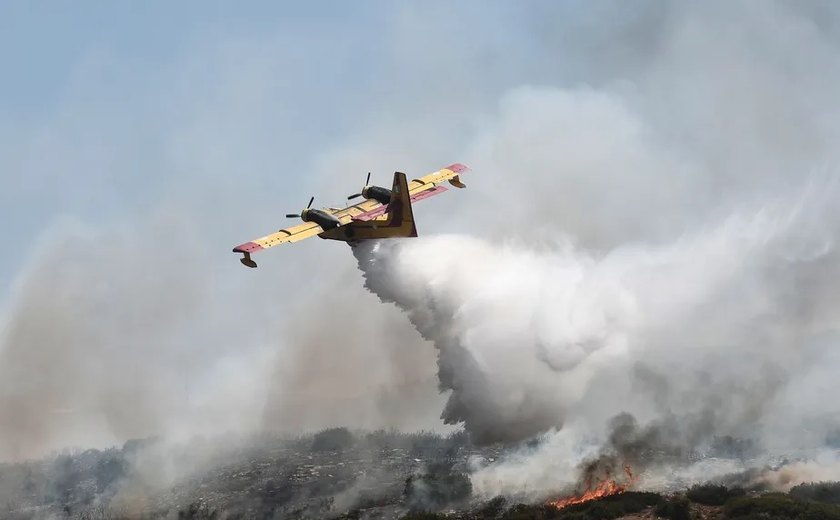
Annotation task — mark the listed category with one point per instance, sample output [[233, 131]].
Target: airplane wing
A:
[[305, 230], [356, 211], [451, 173], [419, 189], [292, 234]]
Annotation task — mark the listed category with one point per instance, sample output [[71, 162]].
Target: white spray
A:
[[708, 330]]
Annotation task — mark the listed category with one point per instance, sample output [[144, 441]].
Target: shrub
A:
[[425, 445], [436, 488], [777, 505], [712, 494], [108, 470], [198, 511], [677, 508], [493, 508], [531, 512], [826, 492], [332, 439], [423, 516], [611, 507]]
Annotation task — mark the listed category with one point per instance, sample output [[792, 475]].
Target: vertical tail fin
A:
[[398, 221], [399, 211]]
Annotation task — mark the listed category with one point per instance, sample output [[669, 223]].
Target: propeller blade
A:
[[310, 202], [351, 197], [292, 215], [367, 181]]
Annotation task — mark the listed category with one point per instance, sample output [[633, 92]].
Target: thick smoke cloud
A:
[[675, 252], [707, 325], [649, 228], [714, 335], [366, 369], [101, 345]]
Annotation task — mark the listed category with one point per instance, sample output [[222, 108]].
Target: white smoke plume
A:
[[649, 228], [101, 345], [658, 240], [709, 328]]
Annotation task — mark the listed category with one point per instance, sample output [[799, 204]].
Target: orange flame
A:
[[606, 487]]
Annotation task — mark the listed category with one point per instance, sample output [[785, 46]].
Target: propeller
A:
[[297, 215], [356, 195]]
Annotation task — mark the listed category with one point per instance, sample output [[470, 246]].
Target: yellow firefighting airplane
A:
[[383, 214]]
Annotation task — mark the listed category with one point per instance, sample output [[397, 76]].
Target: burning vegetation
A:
[[347, 475], [341, 474], [596, 487]]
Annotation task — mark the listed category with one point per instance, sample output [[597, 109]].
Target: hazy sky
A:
[[108, 109], [96, 96]]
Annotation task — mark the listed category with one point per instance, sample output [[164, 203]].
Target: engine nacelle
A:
[[377, 193], [322, 218]]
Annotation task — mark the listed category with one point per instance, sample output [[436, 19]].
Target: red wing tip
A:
[[247, 247], [458, 167]]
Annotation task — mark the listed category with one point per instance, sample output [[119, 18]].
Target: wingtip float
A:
[[385, 213]]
